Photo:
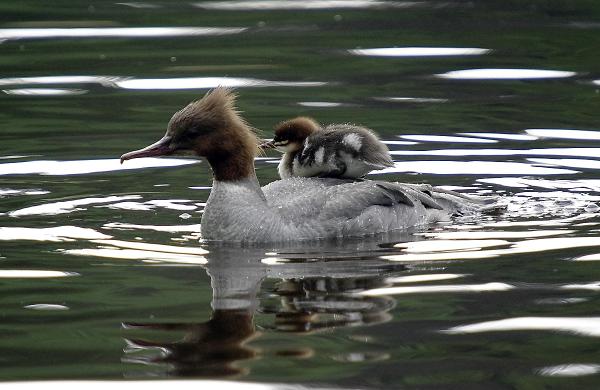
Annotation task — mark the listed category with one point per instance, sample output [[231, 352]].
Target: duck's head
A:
[[290, 134], [212, 128]]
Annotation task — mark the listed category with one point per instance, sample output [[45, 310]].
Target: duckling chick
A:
[[342, 150], [294, 209]]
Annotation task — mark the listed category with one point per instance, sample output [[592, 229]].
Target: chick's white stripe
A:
[[319, 155], [353, 140]]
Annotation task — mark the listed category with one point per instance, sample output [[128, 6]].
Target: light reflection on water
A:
[[570, 370], [21, 273], [301, 5], [210, 82], [89, 246], [515, 137], [584, 326], [472, 168], [44, 91], [568, 162], [565, 133], [79, 167], [449, 288], [46, 306], [581, 152], [445, 138], [419, 51], [406, 99], [145, 84], [505, 74], [472, 249], [108, 32], [58, 233], [68, 206]]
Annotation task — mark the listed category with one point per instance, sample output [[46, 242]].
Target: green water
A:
[[81, 83]]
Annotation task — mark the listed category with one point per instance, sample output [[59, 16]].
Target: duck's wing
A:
[[309, 208], [352, 199], [323, 199], [461, 203]]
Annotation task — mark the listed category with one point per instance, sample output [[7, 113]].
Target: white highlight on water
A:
[[584, 326], [109, 32], [505, 74], [420, 51]]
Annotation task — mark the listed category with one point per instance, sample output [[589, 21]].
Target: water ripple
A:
[[583, 326], [565, 133], [169, 229], [271, 5], [112, 32], [55, 234], [460, 249], [67, 206], [447, 138], [488, 168], [148, 253], [570, 370], [46, 307], [44, 91], [155, 84], [450, 288], [33, 274], [79, 167], [419, 51], [505, 74], [579, 152], [209, 82]]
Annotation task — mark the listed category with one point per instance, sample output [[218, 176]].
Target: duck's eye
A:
[[193, 131], [186, 137], [189, 133]]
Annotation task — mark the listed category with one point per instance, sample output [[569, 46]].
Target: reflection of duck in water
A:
[[207, 349], [319, 303], [310, 295], [239, 210], [343, 151]]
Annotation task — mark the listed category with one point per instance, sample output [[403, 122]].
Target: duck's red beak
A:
[[267, 145], [159, 148]]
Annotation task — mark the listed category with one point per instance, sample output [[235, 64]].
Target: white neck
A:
[[233, 209]]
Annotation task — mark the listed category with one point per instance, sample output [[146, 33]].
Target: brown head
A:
[[212, 128], [290, 134]]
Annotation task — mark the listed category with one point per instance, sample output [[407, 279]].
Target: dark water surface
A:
[[102, 275]]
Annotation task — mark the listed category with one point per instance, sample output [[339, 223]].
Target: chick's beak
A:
[[160, 148], [267, 145]]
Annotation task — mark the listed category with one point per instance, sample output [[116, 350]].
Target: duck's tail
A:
[[461, 203]]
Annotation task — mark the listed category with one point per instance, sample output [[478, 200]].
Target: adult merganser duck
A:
[[299, 208], [344, 151]]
